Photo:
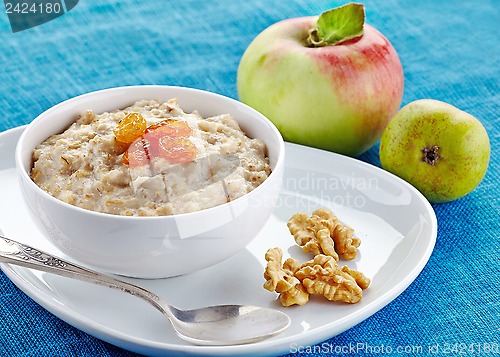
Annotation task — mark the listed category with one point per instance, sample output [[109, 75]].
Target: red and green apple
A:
[[330, 82]]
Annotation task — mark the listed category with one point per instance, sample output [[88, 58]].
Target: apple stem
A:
[[430, 155]]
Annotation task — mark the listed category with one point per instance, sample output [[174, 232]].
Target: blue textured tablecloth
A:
[[449, 50]]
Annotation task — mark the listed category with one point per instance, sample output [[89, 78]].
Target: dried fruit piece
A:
[[176, 150], [170, 127], [125, 158], [168, 139], [130, 128], [119, 147], [137, 154]]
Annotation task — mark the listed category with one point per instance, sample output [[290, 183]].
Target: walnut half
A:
[[323, 233], [321, 275], [281, 278]]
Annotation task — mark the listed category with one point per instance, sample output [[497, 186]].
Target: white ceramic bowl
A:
[[151, 247]]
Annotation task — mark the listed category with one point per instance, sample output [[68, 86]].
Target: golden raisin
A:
[[137, 153], [176, 150], [168, 139], [130, 128], [170, 127]]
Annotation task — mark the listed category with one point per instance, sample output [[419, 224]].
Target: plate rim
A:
[[311, 337]]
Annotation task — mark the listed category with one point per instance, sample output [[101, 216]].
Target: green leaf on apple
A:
[[338, 25]]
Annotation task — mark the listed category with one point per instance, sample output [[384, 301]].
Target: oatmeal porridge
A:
[[150, 159]]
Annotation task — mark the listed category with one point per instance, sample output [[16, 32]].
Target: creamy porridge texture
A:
[[189, 164]]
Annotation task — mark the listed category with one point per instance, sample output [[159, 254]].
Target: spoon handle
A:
[[16, 253]]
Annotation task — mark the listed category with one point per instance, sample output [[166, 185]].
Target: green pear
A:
[[441, 150]]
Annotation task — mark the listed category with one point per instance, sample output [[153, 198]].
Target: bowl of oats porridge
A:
[[150, 181]]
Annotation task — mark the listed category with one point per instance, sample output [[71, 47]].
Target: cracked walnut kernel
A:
[[309, 233], [281, 279], [345, 244], [295, 296], [322, 275]]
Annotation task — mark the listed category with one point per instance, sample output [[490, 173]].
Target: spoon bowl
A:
[[220, 325], [229, 324]]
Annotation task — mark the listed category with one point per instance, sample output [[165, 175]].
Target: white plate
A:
[[395, 222]]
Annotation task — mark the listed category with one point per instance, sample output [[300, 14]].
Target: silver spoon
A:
[[213, 325]]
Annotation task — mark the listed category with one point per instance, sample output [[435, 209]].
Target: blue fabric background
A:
[[449, 50]]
